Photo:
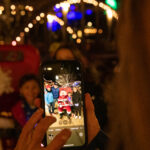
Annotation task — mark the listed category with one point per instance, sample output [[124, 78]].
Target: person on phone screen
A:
[[76, 98], [49, 100]]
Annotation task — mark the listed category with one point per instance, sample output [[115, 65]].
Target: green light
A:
[[111, 3]]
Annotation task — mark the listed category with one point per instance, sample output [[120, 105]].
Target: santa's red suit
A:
[[63, 103]]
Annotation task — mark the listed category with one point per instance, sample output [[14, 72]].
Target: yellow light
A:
[[49, 68], [57, 6], [13, 7], [100, 31], [109, 13], [26, 29], [27, 7], [74, 36], [30, 8], [42, 15], [38, 18], [14, 43], [69, 29], [50, 18], [79, 33], [30, 25], [2, 8], [65, 6], [13, 12], [1, 12], [89, 24], [22, 13], [90, 31], [42, 21], [18, 38], [78, 41]]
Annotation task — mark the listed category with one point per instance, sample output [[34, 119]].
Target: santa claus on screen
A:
[[63, 104]]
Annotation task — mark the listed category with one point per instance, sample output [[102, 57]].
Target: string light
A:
[[100, 31], [30, 25], [13, 12], [21, 34], [70, 30], [109, 14], [22, 13], [65, 6], [90, 31], [38, 18], [18, 38], [42, 15], [79, 33], [14, 43], [13, 7], [2, 8], [30, 8], [74, 36], [89, 24], [78, 41], [26, 29], [50, 18]]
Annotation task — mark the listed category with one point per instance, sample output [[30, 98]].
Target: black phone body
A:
[[63, 97]]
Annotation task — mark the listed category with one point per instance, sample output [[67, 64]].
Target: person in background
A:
[[29, 88]]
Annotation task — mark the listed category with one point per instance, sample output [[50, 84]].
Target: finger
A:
[[88, 103], [29, 126], [41, 128], [59, 140]]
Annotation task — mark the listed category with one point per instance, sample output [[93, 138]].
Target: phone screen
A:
[[63, 98]]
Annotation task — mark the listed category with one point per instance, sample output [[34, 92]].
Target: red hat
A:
[[48, 86]]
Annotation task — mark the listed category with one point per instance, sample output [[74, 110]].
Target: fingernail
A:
[[66, 134]]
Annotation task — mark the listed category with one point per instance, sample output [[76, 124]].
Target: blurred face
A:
[[64, 54], [30, 90]]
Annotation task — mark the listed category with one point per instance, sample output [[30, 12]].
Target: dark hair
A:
[[28, 77], [70, 46]]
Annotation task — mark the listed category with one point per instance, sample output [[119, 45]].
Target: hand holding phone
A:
[[67, 91]]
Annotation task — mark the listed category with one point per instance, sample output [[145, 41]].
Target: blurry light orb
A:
[[14, 43], [57, 6], [38, 18], [22, 13], [89, 24], [74, 36], [34, 21], [78, 41], [100, 31], [13, 7], [30, 8], [42, 15], [79, 33], [27, 7], [18, 38], [50, 18], [109, 13], [26, 29], [13, 12], [65, 6], [30, 25], [2, 8]]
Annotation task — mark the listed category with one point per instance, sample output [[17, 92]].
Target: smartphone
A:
[[63, 97]]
